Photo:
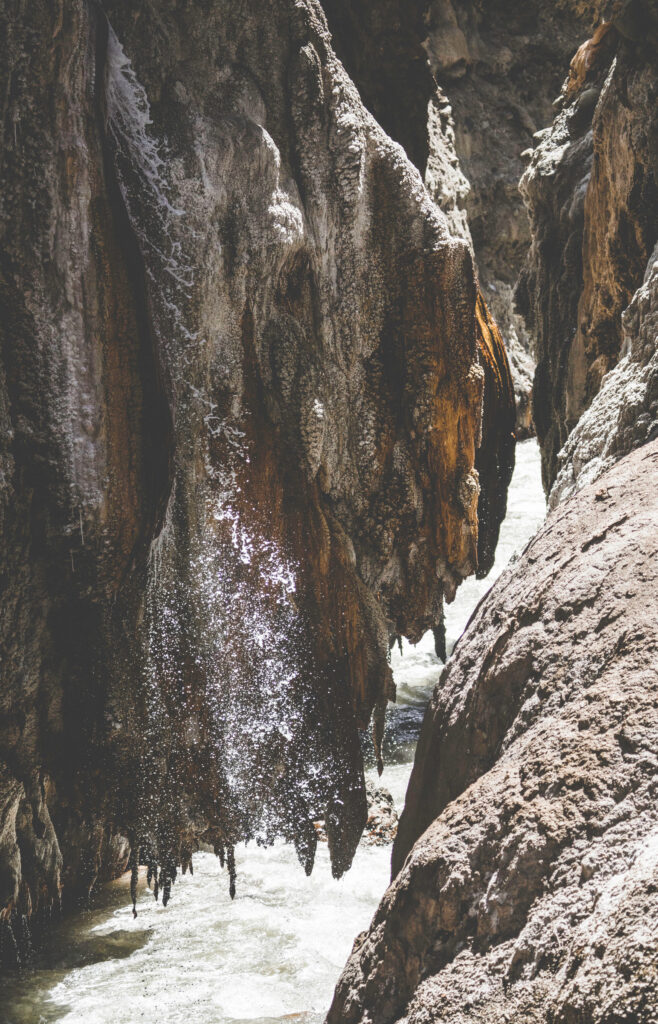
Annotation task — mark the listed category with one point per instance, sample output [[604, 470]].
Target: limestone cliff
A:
[[501, 66], [593, 202], [530, 894], [454, 84], [384, 47], [241, 390]]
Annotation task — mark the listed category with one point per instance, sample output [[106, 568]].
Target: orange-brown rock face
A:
[[241, 400], [593, 203], [495, 457]]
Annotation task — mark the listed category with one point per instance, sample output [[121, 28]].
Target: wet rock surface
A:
[[240, 403], [531, 891]]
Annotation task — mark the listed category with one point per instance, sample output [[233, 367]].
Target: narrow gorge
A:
[[282, 285]]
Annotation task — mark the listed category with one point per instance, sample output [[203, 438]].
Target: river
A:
[[275, 953]]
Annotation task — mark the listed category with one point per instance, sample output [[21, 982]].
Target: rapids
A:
[[274, 953]]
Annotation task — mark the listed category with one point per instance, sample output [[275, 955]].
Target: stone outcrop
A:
[[593, 202], [501, 66], [624, 414], [382, 824], [241, 394], [433, 76], [531, 892]]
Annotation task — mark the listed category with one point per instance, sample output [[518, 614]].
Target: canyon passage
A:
[[298, 301]]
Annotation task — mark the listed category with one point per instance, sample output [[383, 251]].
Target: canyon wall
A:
[[525, 866], [454, 84], [530, 894], [241, 398], [501, 66], [592, 196]]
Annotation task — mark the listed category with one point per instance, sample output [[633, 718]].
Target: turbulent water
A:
[[275, 952]]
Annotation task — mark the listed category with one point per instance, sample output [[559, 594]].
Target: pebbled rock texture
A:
[[384, 48], [526, 864], [592, 196], [240, 402]]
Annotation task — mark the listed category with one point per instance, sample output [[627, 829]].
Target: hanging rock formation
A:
[[240, 404], [531, 893], [592, 194]]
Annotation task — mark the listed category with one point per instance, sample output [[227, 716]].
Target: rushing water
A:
[[274, 953]]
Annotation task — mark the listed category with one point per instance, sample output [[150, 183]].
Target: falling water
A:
[[275, 953]]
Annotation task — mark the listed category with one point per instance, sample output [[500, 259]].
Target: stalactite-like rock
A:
[[526, 858], [240, 403], [385, 48]]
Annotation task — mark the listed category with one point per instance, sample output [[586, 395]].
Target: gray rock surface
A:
[[400, 54], [384, 46], [624, 414], [527, 852], [501, 66], [591, 192], [240, 401]]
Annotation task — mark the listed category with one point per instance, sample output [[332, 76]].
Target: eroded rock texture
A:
[[501, 64], [624, 413], [240, 401], [462, 86], [385, 49], [531, 891], [593, 201]]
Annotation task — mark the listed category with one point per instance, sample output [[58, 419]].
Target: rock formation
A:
[[531, 892], [624, 413], [384, 47], [240, 403], [501, 65], [403, 57], [593, 201]]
